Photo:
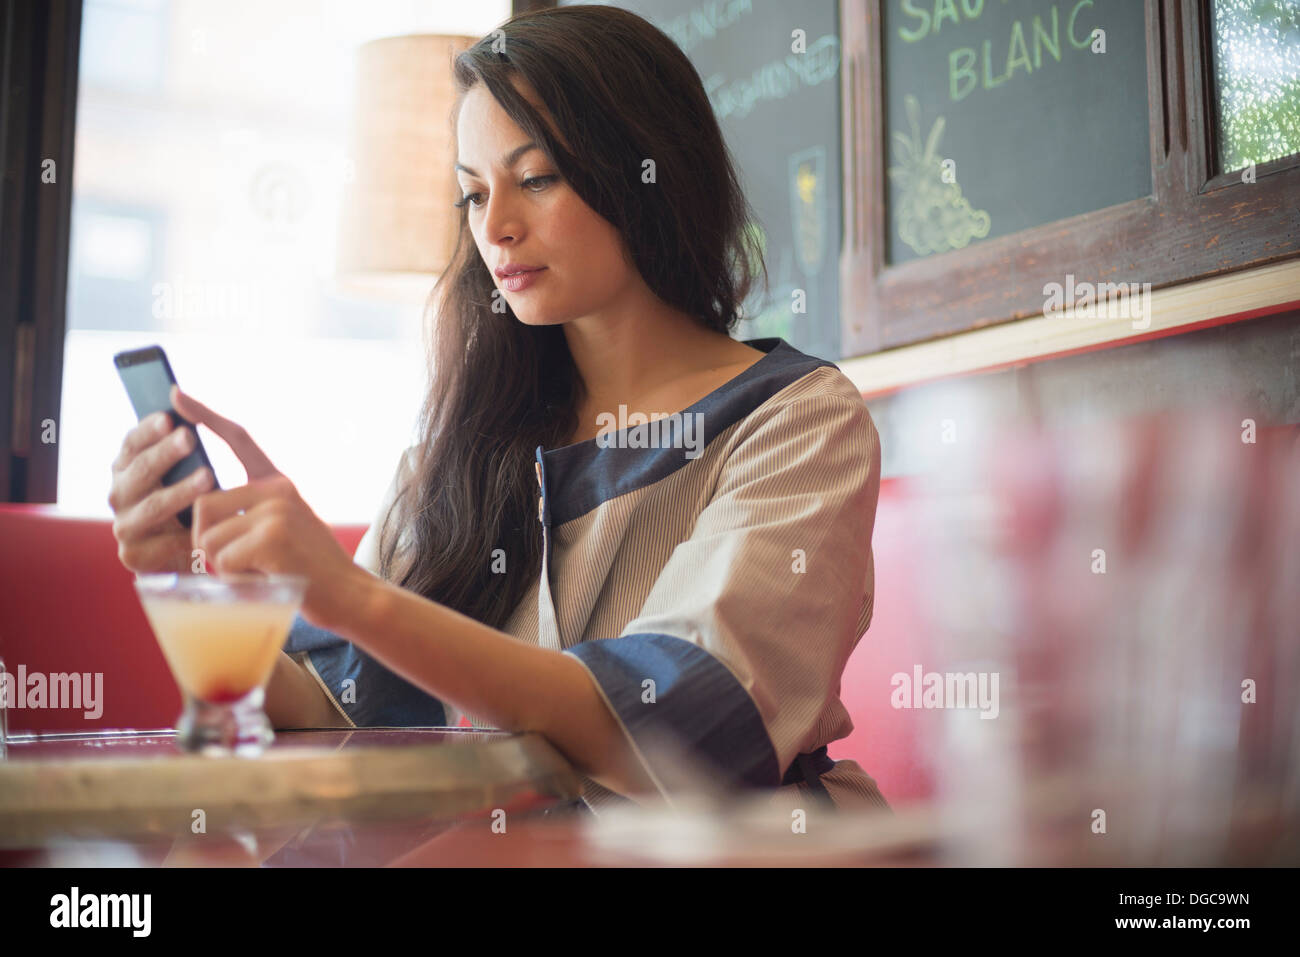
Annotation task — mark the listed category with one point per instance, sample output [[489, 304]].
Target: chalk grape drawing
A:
[[931, 216]]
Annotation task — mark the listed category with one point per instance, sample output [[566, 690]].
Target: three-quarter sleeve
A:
[[739, 648], [365, 692]]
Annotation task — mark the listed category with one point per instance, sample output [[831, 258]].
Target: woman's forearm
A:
[[493, 676], [294, 699]]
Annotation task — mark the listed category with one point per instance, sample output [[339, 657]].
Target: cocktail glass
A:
[[220, 635]]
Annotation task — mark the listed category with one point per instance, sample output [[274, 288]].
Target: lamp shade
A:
[[397, 222]]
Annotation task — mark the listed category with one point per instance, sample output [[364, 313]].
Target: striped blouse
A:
[[711, 569]]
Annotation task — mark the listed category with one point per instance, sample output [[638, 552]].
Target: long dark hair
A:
[[619, 92]]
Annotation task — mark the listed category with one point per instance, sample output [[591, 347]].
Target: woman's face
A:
[[521, 211]]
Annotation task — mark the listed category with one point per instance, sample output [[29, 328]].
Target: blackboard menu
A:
[[779, 109], [1001, 115]]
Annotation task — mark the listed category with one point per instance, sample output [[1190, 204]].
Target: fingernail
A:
[[183, 440], [160, 422]]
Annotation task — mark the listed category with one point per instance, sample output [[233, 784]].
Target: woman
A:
[[667, 605]]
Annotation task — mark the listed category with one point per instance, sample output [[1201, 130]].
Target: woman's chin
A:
[[535, 317]]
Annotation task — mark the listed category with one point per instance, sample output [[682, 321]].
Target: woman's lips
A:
[[521, 281]]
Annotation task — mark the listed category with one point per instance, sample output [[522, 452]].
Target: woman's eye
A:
[[475, 199]]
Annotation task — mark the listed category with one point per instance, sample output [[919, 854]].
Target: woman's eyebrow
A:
[[510, 159]]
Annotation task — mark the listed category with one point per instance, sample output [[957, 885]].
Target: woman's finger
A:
[[254, 460], [157, 553], [136, 477], [212, 510], [215, 538], [156, 510], [146, 433]]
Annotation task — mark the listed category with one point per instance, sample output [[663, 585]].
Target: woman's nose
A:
[[501, 218]]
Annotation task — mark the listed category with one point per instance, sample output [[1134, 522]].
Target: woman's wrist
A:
[[357, 605]]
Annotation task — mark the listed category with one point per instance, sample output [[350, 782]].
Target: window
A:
[[115, 255], [1257, 80], [210, 160], [124, 44]]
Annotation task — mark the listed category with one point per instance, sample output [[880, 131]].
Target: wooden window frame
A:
[[39, 44], [1199, 221]]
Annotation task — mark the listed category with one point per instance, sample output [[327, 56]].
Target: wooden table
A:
[[450, 797], [333, 797], [428, 797]]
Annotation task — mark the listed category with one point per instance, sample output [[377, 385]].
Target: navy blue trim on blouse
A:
[[581, 476], [698, 705], [383, 698], [808, 767]]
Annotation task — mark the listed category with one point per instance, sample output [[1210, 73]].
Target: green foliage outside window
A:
[[1257, 68]]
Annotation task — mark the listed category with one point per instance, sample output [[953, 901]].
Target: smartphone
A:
[[148, 378]]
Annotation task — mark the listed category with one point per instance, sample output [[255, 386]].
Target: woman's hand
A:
[[265, 526], [150, 538]]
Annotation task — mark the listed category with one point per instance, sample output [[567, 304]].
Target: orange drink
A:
[[220, 636]]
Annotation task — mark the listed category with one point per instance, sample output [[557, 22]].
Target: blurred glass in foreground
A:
[[1133, 589], [4, 710]]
